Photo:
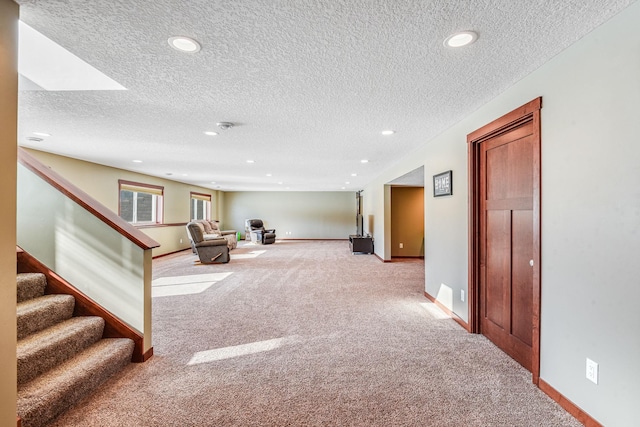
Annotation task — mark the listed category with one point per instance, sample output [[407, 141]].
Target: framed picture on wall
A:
[[443, 184]]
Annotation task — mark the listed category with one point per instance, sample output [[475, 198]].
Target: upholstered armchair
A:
[[209, 251], [254, 229]]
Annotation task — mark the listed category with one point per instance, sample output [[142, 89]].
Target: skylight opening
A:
[[51, 67]]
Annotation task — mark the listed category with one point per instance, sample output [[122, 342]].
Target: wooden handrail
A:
[[86, 201]]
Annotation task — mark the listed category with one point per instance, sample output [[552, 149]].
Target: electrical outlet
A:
[[592, 371], [401, 245], [462, 295]]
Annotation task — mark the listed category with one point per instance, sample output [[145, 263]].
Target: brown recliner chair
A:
[[262, 235], [211, 250], [212, 230]]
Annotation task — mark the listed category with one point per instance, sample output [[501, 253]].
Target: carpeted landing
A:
[[306, 334]]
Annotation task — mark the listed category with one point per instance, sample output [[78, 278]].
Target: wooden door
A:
[[506, 241], [504, 233]]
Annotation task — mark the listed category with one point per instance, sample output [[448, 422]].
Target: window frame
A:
[[157, 191], [194, 197]]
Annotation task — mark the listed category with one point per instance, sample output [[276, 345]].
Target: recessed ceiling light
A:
[[388, 132], [251, 161], [41, 134], [354, 174], [136, 161], [463, 38], [184, 174], [342, 188], [184, 44], [213, 182], [347, 182], [269, 174], [211, 133], [364, 161], [280, 182]]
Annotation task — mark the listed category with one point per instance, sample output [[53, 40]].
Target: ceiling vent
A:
[[224, 125]]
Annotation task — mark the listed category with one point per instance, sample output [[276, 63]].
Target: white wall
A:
[[591, 220], [304, 215], [8, 135], [590, 215]]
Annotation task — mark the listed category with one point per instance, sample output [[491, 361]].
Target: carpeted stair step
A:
[[30, 285], [40, 313], [43, 350], [47, 396]]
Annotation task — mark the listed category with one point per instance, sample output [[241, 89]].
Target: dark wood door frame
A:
[[529, 112]]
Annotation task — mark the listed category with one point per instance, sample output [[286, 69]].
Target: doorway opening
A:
[[406, 214]]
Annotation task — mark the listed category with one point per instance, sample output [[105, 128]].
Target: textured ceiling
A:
[[309, 83]]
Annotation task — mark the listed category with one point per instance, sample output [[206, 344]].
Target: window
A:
[[200, 206], [140, 203]]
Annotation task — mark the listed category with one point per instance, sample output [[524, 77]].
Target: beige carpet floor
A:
[[304, 333]]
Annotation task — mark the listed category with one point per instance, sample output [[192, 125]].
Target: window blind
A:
[[198, 196], [142, 188]]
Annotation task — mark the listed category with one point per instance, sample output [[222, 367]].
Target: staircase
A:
[[61, 358]]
